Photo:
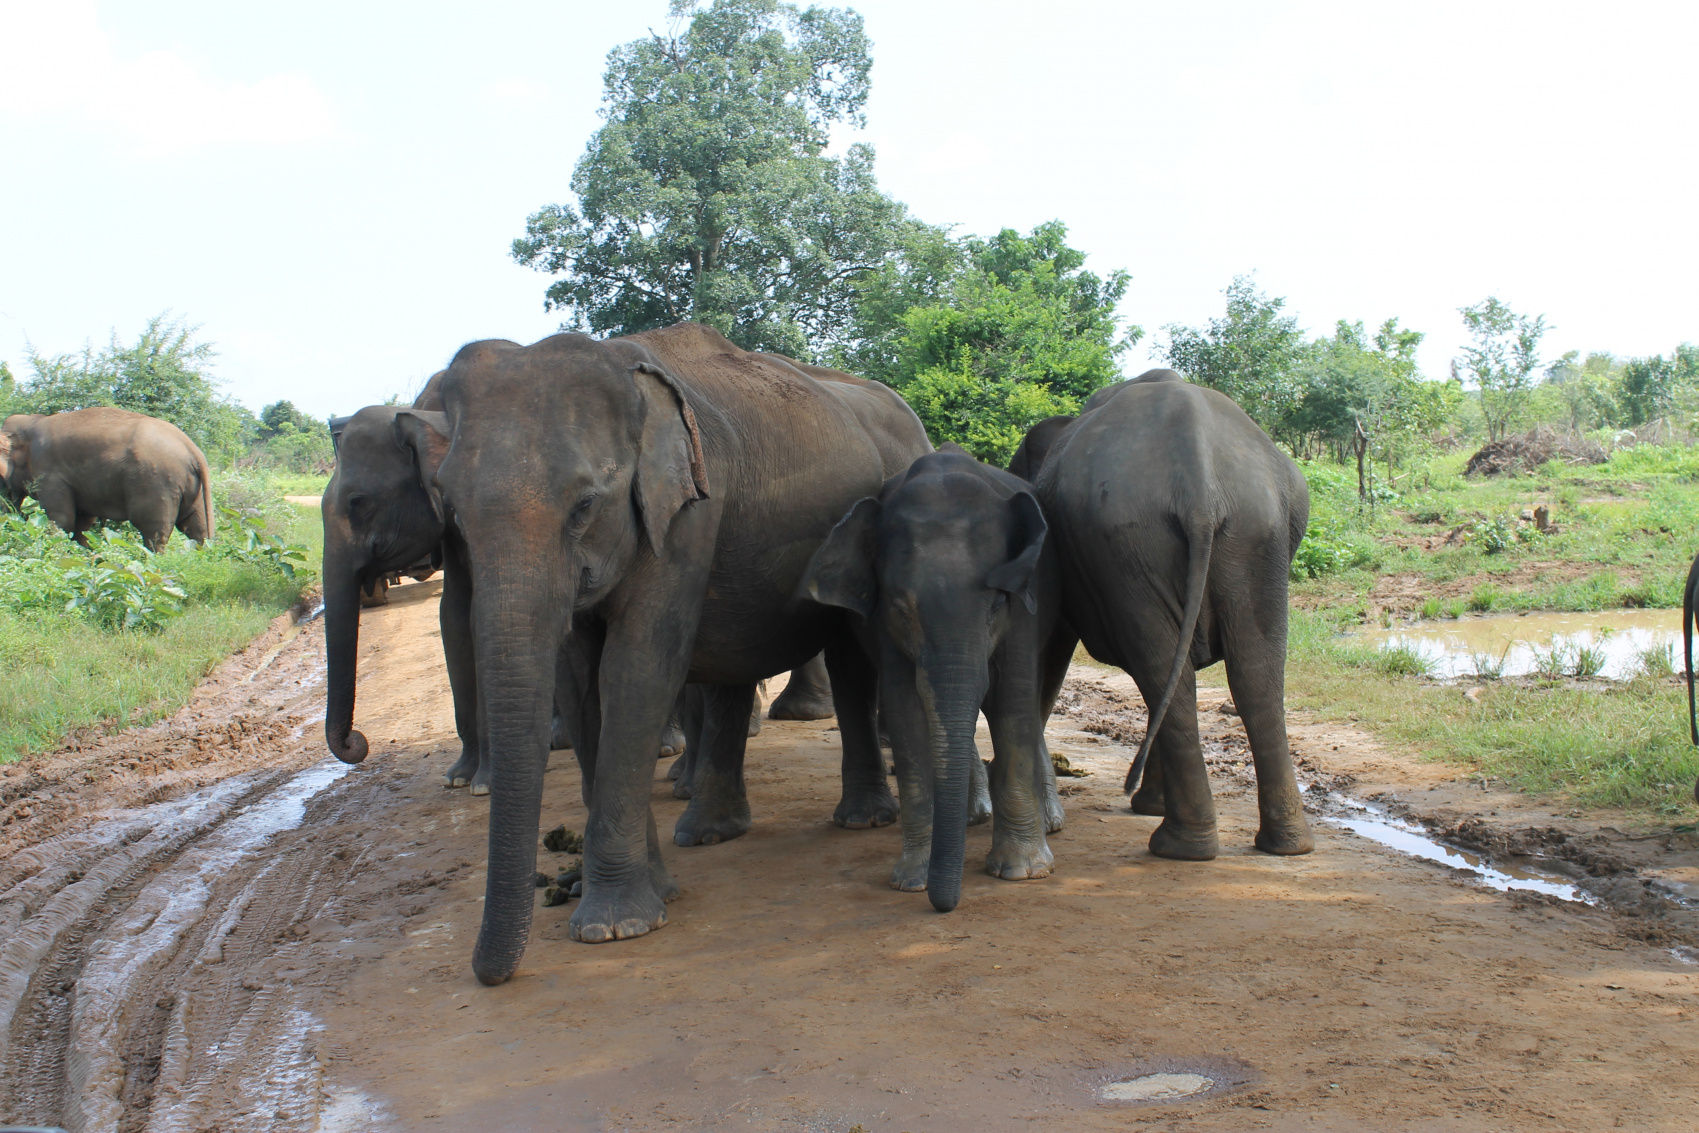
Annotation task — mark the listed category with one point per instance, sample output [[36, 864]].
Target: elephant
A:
[[1176, 520], [950, 572], [807, 696], [1690, 604], [104, 463], [655, 522]]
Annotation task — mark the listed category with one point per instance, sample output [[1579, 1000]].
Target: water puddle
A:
[[1616, 641], [1373, 823], [1155, 1088]]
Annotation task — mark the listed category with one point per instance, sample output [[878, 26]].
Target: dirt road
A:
[[208, 925]]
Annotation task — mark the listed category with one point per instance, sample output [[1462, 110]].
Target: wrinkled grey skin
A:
[[807, 696], [655, 522], [1176, 520], [104, 463], [950, 571]]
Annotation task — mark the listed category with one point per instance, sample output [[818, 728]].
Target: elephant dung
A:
[[563, 841]]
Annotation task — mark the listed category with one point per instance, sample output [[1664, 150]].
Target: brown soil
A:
[[182, 950]]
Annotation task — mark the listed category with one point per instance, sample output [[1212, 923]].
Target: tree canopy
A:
[[1253, 354], [986, 337], [708, 193], [1502, 357]]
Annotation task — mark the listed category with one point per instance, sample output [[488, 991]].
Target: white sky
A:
[[329, 190]]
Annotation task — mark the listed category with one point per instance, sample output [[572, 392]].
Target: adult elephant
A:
[[1176, 520], [106, 463], [656, 521]]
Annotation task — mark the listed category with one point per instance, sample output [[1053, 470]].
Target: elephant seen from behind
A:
[[87, 465], [1176, 520]]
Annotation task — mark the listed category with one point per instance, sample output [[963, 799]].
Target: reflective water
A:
[[1521, 644], [1155, 1087], [1375, 824]]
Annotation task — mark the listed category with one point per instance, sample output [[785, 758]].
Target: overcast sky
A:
[[329, 190]]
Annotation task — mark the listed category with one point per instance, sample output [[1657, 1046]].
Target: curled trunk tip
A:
[[351, 750]]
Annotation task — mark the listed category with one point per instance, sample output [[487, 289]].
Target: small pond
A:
[[1521, 644]]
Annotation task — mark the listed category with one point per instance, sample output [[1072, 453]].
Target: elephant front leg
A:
[[454, 615], [867, 800], [1018, 848], [906, 723], [719, 805], [641, 668]]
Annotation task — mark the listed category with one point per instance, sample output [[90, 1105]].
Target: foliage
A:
[[708, 193], [1253, 354], [1018, 331], [117, 586], [1502, 357], [164, 374], [258, 545], [1585, 389], [1649, 386]]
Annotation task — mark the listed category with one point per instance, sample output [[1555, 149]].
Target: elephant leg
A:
[[1256, 675], [672, 737], [641, 666], [154, 519], [979, 807], [867, 799], [719, 804], [1018, 848], [753, 727], [902, 715], [57, 500], [454, 615], [687, 717], [807, 696], [1054, 659], [1188, 830], [1150, 798]]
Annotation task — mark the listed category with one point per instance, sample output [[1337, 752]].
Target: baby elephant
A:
[[106, 463], [950, 569]]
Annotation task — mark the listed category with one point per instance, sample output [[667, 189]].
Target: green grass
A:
[[59, 672]]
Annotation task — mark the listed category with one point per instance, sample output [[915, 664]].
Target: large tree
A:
[[1502, 356], [709, 195], [1253, 354]]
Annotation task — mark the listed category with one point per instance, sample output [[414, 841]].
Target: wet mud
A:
[[209, 925]]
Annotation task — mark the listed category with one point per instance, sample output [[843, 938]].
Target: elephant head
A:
[[379, 516], [15, 475], [939, 564], [566, 463]]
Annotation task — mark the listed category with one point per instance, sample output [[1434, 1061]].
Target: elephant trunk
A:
[[517, 639], [342, 642], [952, 695]]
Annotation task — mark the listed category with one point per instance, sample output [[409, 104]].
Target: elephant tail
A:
[[206, 494], [1199, 544]]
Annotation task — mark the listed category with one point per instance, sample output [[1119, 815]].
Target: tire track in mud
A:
[[154, 938]]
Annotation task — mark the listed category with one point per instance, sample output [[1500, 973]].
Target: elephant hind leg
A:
[[1256, 675], [719, 804]]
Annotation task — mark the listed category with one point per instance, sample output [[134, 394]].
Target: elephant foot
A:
[[607, 913], [909, 874], [865, 809], [1018, 861], [559, 738], [665, 887], [706, 826], [672, 743], [1149, 802], [787, 707], [1286, 838], [1170, 840], [463, 770]]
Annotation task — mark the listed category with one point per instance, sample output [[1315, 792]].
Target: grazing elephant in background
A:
[[807, 695], [950, 569], [656, 521], [105, 463], [1690, 605], [1176, 520]]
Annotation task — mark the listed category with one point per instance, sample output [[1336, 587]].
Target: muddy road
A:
[[210, 925]]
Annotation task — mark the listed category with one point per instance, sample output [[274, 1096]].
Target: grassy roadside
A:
[[1625, 533], [61, 670]]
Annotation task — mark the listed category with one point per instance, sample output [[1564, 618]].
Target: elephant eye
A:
[[579, 518]]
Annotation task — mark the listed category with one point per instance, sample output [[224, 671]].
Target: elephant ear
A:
[[337, 426], [670, 469], [425, 435], [841, 571], [1026, 543]]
